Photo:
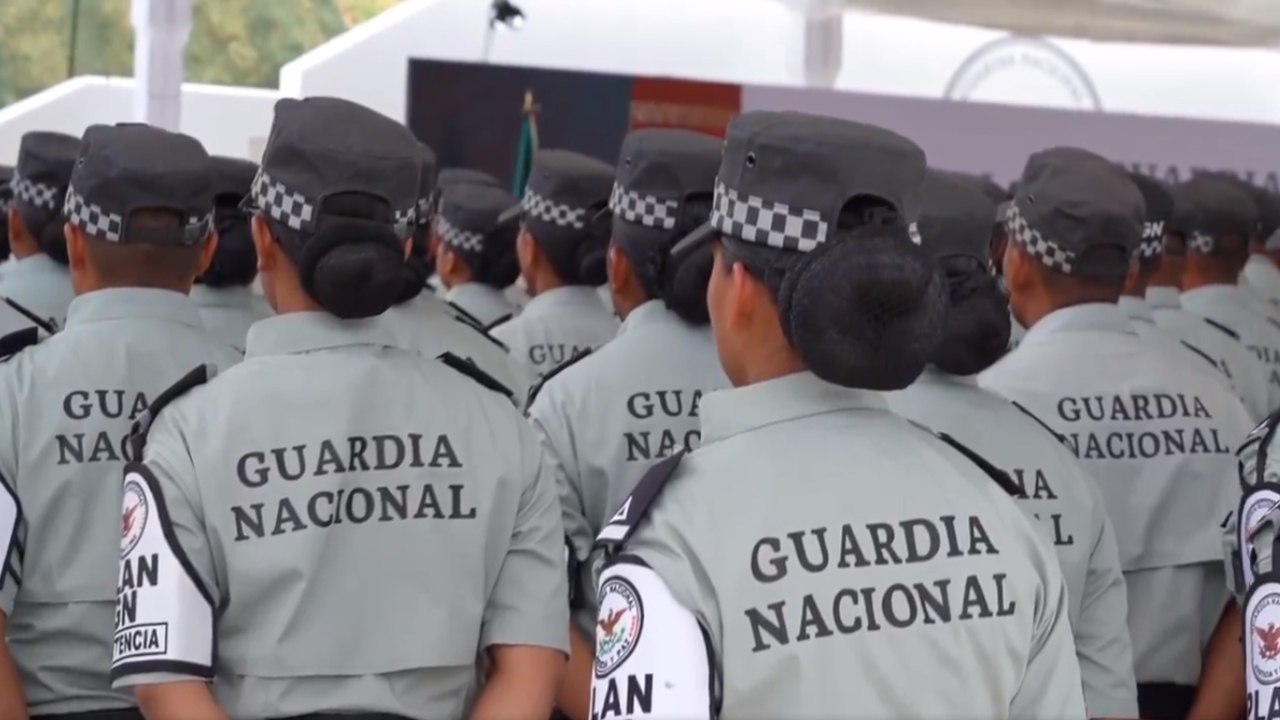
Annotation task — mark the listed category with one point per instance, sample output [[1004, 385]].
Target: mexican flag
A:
[[526, 148]]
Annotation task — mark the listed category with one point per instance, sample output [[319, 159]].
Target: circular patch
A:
[[1264, 636], [1257, 507], [135, 515], [618, 625]]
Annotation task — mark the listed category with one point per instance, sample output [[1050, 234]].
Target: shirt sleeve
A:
[[553, 431], [13, 541], [652, 659], [527, 604], [1051, 687], [166, 595], [1102, 639]]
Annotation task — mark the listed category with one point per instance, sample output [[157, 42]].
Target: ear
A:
[[15, 224], [207, 252], [744, 292], [526, 248], [263, 243], [76, 253], [619, 268], [408, 248], [445, 260], [1016, 269]]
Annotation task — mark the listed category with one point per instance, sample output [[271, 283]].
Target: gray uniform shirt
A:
[[608, 417], [1160, 440], [228, 312], [484, 302], [351, 545], [1068, 508], [428, 325], [1263, 277], [1240, 310], [839, 560], [40, 285], [556, 325], [1143, 321], [68, 404]]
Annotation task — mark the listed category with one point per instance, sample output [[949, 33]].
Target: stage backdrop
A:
[[471, 114]]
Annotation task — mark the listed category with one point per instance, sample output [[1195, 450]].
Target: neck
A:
[[625, 304], [542, 282], [23, 247], [1198, 276], [453, 279]]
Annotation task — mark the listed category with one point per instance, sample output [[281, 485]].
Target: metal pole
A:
[[75, 37]]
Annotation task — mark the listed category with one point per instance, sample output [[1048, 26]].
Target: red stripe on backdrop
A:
[[665, 102]]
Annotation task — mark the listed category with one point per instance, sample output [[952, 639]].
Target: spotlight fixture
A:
[[503, 11]]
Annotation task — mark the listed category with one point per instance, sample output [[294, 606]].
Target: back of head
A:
[[338, 188], [662, 192], [565, 191], [420, 265], [817, 210], [235, 262], [1158, 201], [39, 184], [467, 222], [1218, 218], [955, 229], [143, 198]]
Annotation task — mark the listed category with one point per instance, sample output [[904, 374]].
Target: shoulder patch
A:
[[537, 387], [198, 376], [1000, 477], [624, 522], [499, 321], [17, 341], [473, 371], [1223, 328], [44, 324], [1057, 435]]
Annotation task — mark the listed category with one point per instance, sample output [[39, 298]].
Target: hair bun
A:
[[353, 268], [865, 311]]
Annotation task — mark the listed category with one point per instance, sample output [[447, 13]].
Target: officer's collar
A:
[[38, 262], [1217, 295], [726, 413], [566, 296], [235, 296], [1088, 317], [1136, 309], [459, 293], [934, 376], [1163, 298], [133, 304], [303, 332], [648, 314]]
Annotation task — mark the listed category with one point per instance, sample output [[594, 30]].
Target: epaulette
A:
[[17, 341], [1261, 435], [1223, 328], [537, 387], [1001, 477], [623, 524], [48, 326], [198, 376], [473, 371], [460, 313], [1273, 322], [499, 321], [1057, 435], [1202, 354], [471, 322]]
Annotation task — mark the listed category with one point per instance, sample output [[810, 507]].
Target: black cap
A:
[[6, 192], [324, 146], [468, 213], [1262, 201], [1211, 208], [565, 191], [994, 192], [459, 176], [232, 176], [955, 217], [658, 169], [1268, 206], [1158, 201], [785, 176], [428, 178], [129, 167], [45, 163], [1070, 201]]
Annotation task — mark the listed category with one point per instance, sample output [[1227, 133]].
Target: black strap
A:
[[470, 325], [537, 387], [473, 371], [198, 376], [1261, 435], [17, 341], [499, 321], [615, 533], [1203, 354], [462, 314], [1059, 436], [45, 325], [1223, 328]]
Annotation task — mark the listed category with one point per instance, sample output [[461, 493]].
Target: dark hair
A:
[[864, 311], [146, 264], [46, 228], [353, 263], [418, 267], [235, 262], [497, 264], [681, 283], [583, 259], [976, 333], [4, 236]]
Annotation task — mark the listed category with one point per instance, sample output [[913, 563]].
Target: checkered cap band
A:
[[280, 203], [643, 209], [756, 220], [92, 219], [550, 211], [1200, 242], [459, 238], [1048, 252], [34, 193]]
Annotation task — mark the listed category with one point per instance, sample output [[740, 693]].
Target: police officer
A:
[[612, 413], [368, 588], [1221, 221], [813, 556], [562, 259], [227, 304], [956, 228], [1157, 435], [432, 326], [1252, 543], [139, 230], [476, 256], [445, 179], [38, 279]]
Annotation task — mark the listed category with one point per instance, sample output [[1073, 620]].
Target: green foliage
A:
[[233, 42]]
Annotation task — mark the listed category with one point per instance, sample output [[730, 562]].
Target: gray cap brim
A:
[[694, 240], [510, 214]]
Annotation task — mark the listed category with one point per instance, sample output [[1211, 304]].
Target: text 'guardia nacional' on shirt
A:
[[647, 445], [1190, 439], [354, 505], [90, 445], [1034, 485], [874, 609]]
